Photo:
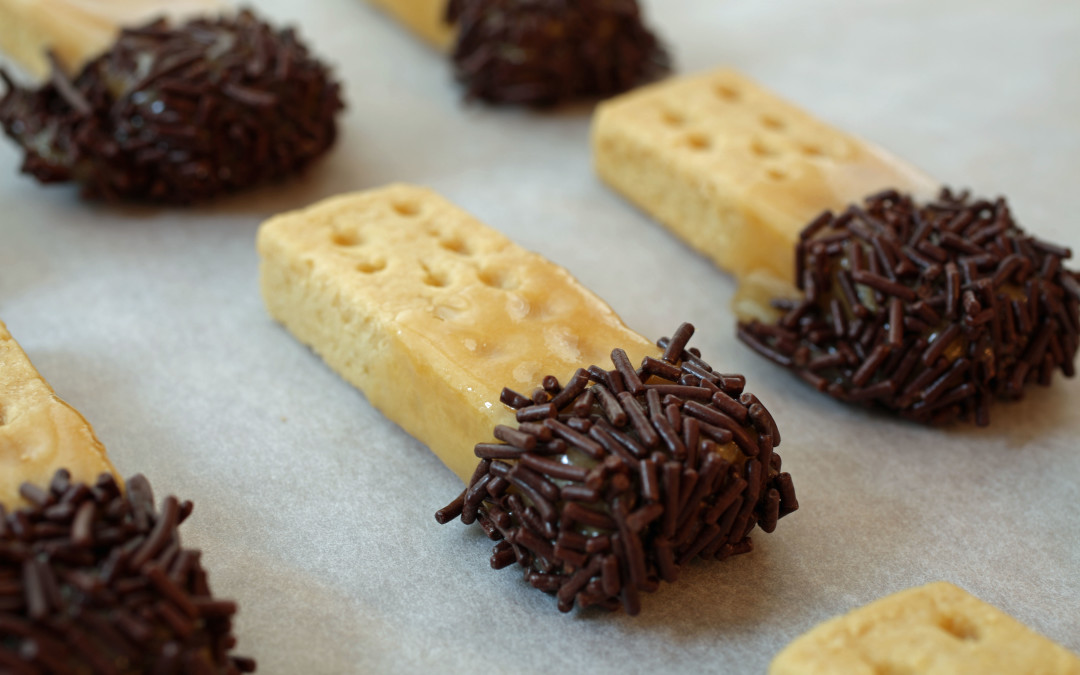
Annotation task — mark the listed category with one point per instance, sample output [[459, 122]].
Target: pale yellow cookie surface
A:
[[430, 312], [79, 30], [426, 18], [937, 629], [39, 433], [734, 170]]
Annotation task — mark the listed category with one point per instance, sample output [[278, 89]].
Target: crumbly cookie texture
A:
[[937, 629], [734, 170], [413, 300], [78, 30], [426, 18], [39, 433]]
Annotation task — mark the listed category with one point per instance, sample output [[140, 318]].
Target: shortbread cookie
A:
[[607, 479], [733, 170], [39, 433], [179, 113], [936, 629], [930, 310], [410, 298], [77, 31], [538, 53]]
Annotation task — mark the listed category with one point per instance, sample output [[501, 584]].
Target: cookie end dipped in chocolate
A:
[[614, 480], [545, 52], [929, 310], [94, 580], [178, 114]]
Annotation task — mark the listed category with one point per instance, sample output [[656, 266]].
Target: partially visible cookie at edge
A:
[[178, 113], [938, 628], [39, 432], [93, 576], [539, 53], [76, 31]]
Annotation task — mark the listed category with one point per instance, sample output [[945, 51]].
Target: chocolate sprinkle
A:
[[178, 114], [544, 52], [632, 495], [927, 310], [95, 581]]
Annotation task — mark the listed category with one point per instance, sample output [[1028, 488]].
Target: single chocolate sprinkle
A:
[[544, 52], [517, 438], [179, 114], [111, 590], [574, 387], [639, 421], [645, 489], [629, 375], [979, 309], [536, 413], [612, 409], [512, 399]]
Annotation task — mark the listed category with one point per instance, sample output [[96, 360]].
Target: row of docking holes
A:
[[501, 279], [504, 280], [700, 142]]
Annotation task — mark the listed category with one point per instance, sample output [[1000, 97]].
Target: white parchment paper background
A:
[[316, 513]]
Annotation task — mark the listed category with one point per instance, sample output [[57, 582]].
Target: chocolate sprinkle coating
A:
[[928, 310], [178, 114], [544, 52], [95, 581], [628, 488]]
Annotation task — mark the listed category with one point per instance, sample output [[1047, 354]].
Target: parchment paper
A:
[[316, 513]]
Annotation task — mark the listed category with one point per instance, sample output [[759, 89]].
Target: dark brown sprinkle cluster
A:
[[927, 310], [612, 482], [95, 581], [178, 114], [544, 52]]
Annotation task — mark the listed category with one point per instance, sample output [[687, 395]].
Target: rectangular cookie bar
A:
[[426, 18], [39, 433], [937, 628], [732, 169], [430, 312], [79, 30]]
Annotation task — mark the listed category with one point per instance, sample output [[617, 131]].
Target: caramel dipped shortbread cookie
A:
[[178, 113], [733, 170], [607, 478], [93, 578], [937, 628], [538, 53], [926, 307]]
